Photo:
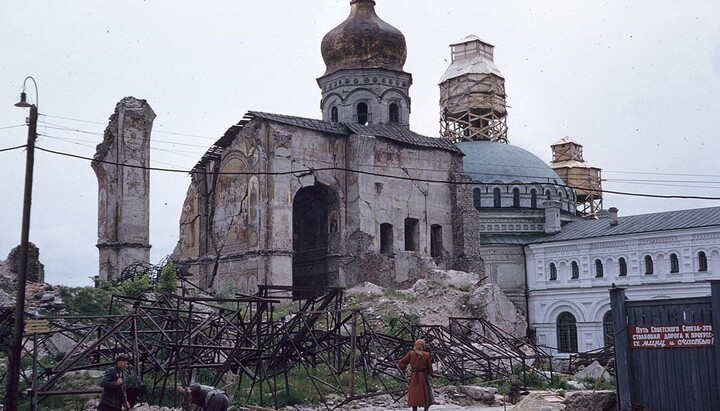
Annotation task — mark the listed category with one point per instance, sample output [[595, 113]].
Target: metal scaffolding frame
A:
[[262, 342]]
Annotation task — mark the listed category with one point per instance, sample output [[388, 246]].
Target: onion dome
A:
[[363, 40]]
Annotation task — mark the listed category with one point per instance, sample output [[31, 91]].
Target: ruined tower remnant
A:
[[121, 164], [364, 82], [472, 94], [583, 178]]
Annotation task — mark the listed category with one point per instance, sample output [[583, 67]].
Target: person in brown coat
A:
[[419, 390]]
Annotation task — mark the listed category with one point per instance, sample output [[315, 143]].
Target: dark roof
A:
[[391, 132], [507, 239], [403, 135], [636, 224], [307, 123]]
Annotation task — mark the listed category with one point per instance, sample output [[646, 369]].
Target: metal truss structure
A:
[[254, 346]]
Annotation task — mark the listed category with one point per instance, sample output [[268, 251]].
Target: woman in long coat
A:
[[419, 391]]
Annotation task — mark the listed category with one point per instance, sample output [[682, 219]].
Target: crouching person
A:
[[207, 397]]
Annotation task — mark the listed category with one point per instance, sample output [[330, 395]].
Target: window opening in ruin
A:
[[608, 329], [648, 265], [553, 272], [623, 266], [477, 198], [598, 268], [702, 261], [567, 333], [496, 198], [412, 234], [311, 235], [575, 270], [362, 113], [394, 113], [386, 238], [436, 246], [516, 197], [674, 263], [533, 199], [334, 114]]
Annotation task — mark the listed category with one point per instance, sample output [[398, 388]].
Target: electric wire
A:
[[581, 182], [12, 148], [9, 127], [105, 124], [308, 171], [469, 163]]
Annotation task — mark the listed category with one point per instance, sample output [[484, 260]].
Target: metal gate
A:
[[665, 352]]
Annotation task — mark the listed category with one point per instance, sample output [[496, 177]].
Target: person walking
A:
[[419, 389], [113, 384], [206, 397]]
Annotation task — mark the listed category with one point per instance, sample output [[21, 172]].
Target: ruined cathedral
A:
[[357, 195]]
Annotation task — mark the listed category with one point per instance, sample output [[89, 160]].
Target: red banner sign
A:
[[671, 336]]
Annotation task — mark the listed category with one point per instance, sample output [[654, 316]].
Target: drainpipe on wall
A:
[[527, 297]]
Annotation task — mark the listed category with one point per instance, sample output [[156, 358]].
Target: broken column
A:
[[121, 164]]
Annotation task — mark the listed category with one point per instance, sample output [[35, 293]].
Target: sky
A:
[[636, 83]]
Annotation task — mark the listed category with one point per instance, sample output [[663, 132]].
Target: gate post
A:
[[715, 306], [622, 351]]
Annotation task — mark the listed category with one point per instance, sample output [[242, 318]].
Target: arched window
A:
[[553, 272], [533, 199], [362, 113], [648, 265], [575, 270], [496, 198], [608, 329], [567, 333], [394, 113], [412, 234], [516, 197], [623, 266], [386, 238], [702, 261], [547, 194], [477, 198], [334, 114], [598, 268], [674, 263]]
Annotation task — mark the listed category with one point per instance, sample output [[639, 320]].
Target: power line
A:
[[105, 124], [406, 178], [466, 162], [12, 148], [9, 127]]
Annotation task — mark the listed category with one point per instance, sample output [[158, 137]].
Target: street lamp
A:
[[13, 372]]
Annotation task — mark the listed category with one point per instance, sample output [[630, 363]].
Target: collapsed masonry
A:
[[10, 268]]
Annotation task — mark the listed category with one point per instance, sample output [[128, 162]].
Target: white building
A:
[[654, 256]]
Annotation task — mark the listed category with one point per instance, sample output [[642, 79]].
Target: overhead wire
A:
[[581, 181], [470, 163], [345, 169]]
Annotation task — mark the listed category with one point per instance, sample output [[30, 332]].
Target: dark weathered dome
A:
[[363, 40]]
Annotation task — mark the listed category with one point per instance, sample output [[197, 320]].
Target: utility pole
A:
[[12, 386]]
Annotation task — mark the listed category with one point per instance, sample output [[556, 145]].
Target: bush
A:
[[167, 280]]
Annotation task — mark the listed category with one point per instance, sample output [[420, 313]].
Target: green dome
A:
[[489, 161]]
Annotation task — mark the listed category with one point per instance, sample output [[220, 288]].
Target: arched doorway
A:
[[316, 228]]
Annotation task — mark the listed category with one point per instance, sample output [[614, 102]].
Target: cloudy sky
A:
[[637, 83]]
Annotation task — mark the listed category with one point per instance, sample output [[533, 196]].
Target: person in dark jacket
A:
[[113, 384], [206, 397]]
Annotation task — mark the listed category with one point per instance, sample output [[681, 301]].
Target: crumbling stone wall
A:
[[236, 229], [121, 165], [35, 269]]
